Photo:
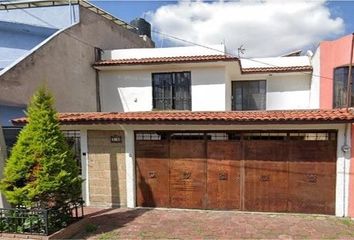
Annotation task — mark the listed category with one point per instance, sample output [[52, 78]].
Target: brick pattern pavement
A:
[[198, 224]]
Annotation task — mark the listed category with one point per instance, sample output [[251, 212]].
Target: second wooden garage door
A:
[[282, 174]]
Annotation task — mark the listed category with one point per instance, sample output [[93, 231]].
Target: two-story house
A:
[[193, 127]]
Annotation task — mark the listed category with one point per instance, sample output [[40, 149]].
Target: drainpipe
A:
[[349, 80], [346, 148], [98, 57]]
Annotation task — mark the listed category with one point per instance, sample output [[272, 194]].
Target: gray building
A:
[[55, 43]]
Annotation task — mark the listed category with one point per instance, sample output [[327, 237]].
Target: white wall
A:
[[284, 91], [132, 91], [163, 52]]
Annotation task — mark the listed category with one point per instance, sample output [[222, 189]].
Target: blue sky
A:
[[170, 17]]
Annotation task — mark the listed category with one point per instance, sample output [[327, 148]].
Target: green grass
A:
[[108, 235], [347, 221]]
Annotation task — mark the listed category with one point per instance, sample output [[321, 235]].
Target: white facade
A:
[[131, 90], [285, 91], [138, 53]]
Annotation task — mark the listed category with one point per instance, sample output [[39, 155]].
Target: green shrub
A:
[[41, 170]]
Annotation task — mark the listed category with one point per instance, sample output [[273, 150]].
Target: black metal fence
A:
[[39, 221]]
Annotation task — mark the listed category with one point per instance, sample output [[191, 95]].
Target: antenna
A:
[[241, 50]]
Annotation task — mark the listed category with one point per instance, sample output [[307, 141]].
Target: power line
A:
[[230, 54], [176, 38], [49, 24]]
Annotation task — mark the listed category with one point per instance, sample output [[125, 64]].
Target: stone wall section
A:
[[106, 169]]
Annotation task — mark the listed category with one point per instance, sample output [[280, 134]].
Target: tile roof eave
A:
[[202, 118], [166, 60], [277, 69]]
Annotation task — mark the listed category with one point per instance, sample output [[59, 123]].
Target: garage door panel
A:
[[266, 181], [312, 177], [223, 174], [187, 174], [187, 183], [311, 188], [152, 172]]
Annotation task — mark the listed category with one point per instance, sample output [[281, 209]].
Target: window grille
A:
[[265, 136], [172, 91], [74, 142], [313, 136]]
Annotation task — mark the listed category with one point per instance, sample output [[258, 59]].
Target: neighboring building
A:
[[191, 127], [55, 43], [331, 67]]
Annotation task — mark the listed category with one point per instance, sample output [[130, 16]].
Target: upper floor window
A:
[[171, 91], [340, 85], [249, 95]]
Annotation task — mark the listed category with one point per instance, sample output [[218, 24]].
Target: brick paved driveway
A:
[[195, 224]]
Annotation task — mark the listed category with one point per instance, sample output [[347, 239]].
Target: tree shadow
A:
[[146, 198], [108, 220]]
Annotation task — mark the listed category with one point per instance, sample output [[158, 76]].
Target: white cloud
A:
[[264, 28]]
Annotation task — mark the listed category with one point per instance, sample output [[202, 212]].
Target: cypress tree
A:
[[41, 170]]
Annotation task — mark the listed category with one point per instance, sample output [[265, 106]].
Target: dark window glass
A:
[[340, 82], [249, 95], [10, 135], [172, 91]]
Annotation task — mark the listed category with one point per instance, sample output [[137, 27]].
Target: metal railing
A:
[[39, 221]]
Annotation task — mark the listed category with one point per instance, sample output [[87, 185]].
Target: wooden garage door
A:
[[187, 173], [281, 172], [152, 173], [312, 176], [266, 175], [223, 174]]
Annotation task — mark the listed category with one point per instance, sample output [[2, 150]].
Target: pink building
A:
[[331, 67]]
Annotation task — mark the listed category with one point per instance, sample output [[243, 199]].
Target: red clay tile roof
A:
[[277, 69], [205, 58], [184, 117], [164, 60]]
